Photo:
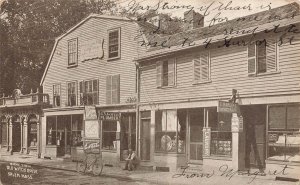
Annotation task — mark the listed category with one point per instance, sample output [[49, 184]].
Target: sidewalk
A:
[[192, 176]]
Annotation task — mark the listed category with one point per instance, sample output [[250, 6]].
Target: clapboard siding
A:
[[229, 70], [95, 28]]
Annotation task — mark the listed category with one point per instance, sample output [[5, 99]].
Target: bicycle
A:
[[92, 160]]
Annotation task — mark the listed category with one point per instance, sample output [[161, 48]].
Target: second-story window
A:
[[56, 95], [201, 67], [112, 89], [72, 52], [72, 93], [89, 92], [165, 73], [262, 57], [114, 43]]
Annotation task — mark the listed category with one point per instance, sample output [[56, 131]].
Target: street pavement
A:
[[30, 170]]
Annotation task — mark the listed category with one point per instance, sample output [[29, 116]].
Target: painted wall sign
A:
[[90, 113], [110, 116], [236, 123], [206, 138], [92, 145], [91, 128], [227, 107], [91, 49]]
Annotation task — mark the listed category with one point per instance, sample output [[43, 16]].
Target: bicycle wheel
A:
[[81, 167], [97, 167]]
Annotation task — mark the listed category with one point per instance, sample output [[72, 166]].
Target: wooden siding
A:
[[95, 28], [229, 71]]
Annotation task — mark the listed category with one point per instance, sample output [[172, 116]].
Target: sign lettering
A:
[[110, 116], [227, 107]]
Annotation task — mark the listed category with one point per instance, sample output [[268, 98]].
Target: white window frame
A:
[[200, 81], [75, 63], [119, 43]]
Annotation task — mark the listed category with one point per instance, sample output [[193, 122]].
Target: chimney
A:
[[193, 20]]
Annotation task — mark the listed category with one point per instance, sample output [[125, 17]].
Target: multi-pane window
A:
[[72, 93], [169, 132], [221, 136], [89, 92], [284, 132], [72, 52], [112, 89], [262, 57], [56, 95], [77, 130], [109, 135], [201, 66], [114, 43], [165, 73]]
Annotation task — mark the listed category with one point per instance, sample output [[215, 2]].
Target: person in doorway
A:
[[131, 160], [251, 142]]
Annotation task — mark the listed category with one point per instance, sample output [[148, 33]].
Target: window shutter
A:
[[159, 73], [116, 89], [196, 65], [108, 89], [251, 59], [204, 66], [271, 55], [171, 72], [95, 91], [81, 92]]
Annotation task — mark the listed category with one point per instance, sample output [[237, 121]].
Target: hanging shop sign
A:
[[227, 107], [236, 123], [110, 116], [90, 113]]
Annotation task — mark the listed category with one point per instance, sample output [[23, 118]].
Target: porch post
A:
[[152, 135], [10, 127], [22, 135], [25, 123], [38, 137], [7, 134]]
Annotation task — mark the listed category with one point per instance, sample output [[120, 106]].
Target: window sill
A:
[[166, 87], [264, 74], [72, 65], [114, 58], [109, 151], [218, 157], [202, 82], [282, 162]]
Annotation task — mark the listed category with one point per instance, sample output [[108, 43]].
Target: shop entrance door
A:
[[63, 135], [255, 124], [16, 137], [145, 139], [195, 136]]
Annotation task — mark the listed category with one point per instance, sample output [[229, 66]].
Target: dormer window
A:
[[114, 43], [72, 52]]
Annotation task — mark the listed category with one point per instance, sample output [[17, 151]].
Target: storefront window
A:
[[128, 134], [109, 135], [169, 132], [32, 134], [221, 136], [51, 130], [284, 133], [77, 130], [3, 134]]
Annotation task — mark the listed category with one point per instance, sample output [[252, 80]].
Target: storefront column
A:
[[152, 135], [10, 126], [118, 141], [38, 138], [26, 135], [238, 143], [43, 136], [22, 135], [206, 134]]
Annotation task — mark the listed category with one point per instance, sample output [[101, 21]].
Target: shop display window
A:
[[51, 130], [77, 130], [109, 135], [284, 133], [221, 136], [169, 132], [3, 134], [32, 135]]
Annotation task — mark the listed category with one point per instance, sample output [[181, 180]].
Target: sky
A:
[[252, 6]]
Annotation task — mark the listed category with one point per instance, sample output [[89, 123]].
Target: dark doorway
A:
[[255, 129], [145, 139], [16, 136]]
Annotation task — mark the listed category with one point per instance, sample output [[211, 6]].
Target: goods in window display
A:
[[165, 142]]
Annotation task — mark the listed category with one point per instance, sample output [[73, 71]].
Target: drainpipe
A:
[[137, 146]]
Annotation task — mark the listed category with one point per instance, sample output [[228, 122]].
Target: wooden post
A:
[[10, 126], [25, 123]]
